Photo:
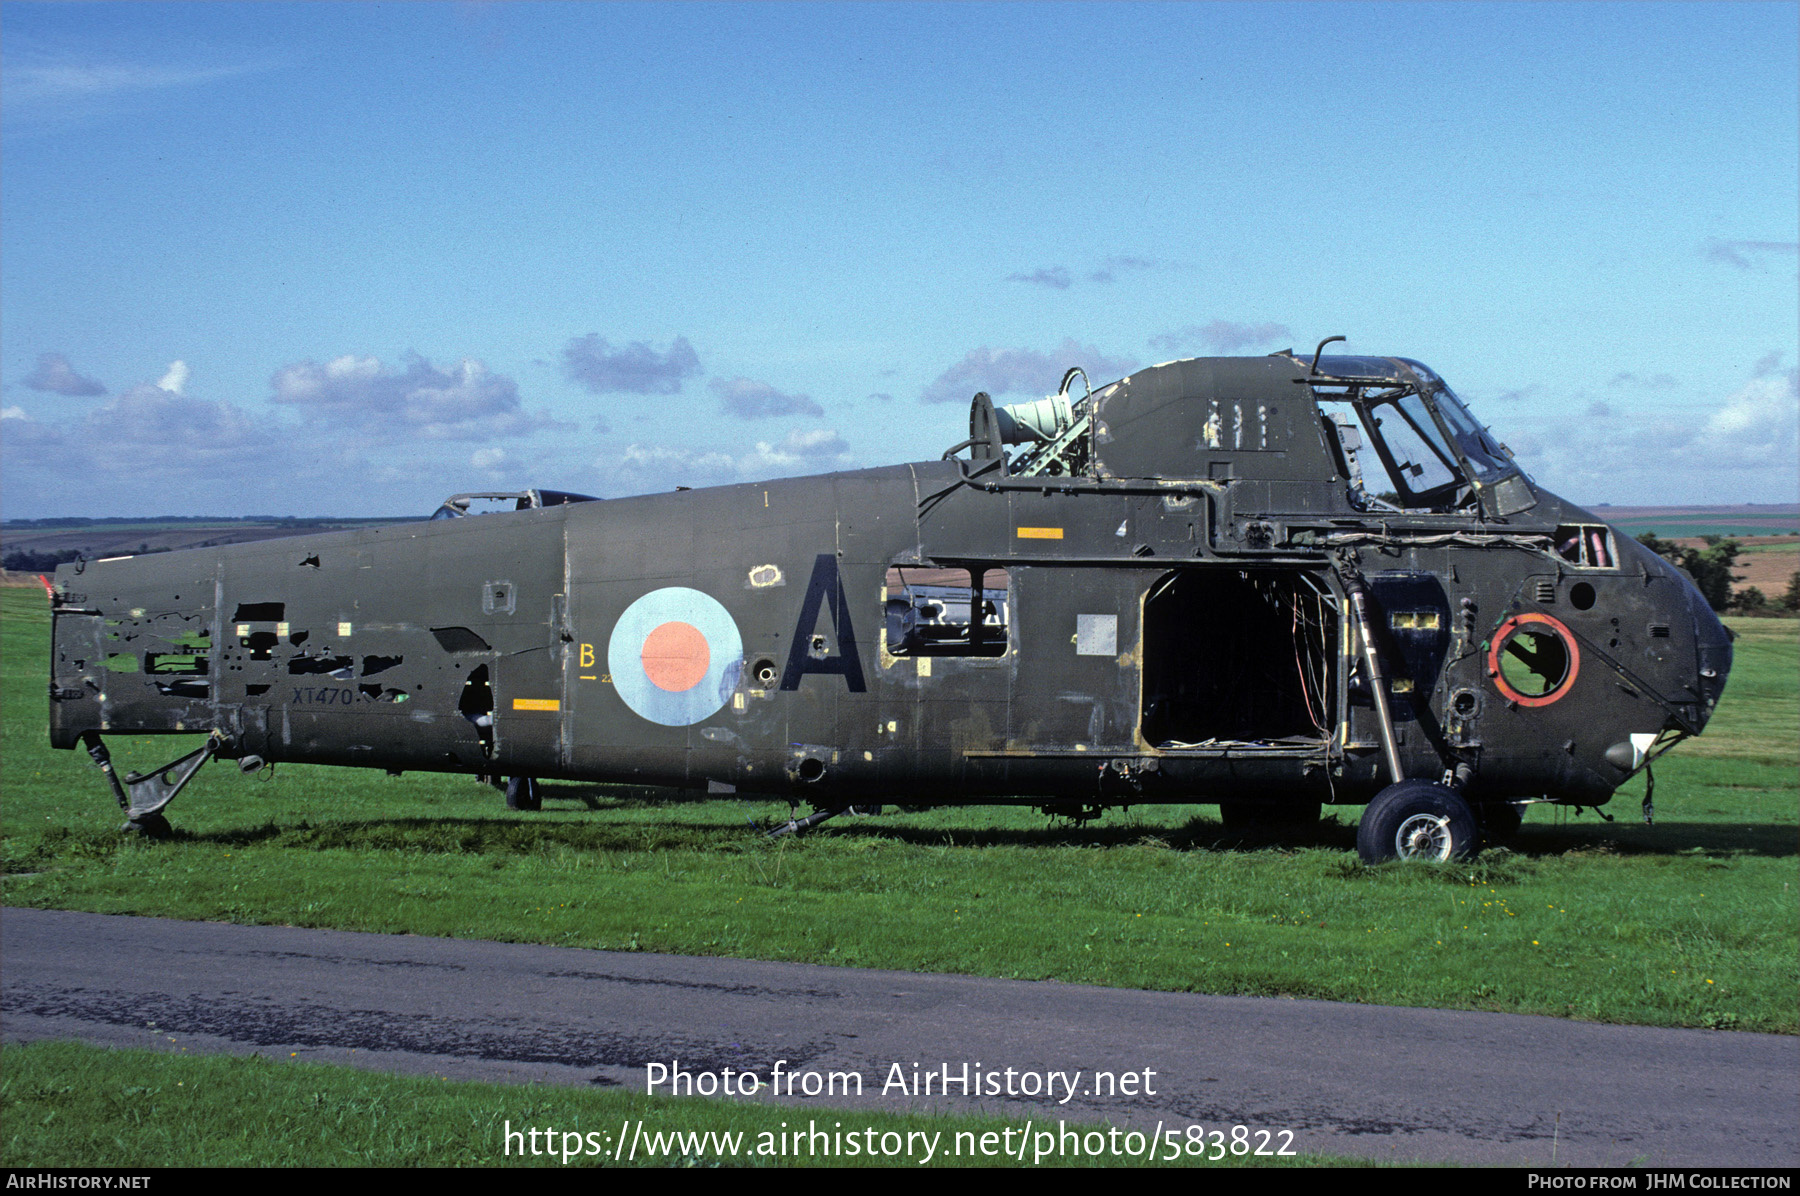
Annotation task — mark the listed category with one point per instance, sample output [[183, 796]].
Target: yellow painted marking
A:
[[1040, 533], [924, 666], [344, 629], [765, 498], [243, 628], [536, 704], [737, 701], [868, 755], [281, 629], [590, 676]]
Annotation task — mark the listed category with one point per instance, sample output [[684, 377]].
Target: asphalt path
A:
[[1363, 1080]]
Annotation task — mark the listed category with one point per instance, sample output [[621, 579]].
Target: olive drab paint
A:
[[1267, 582]]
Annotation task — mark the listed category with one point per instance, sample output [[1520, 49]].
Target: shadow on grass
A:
[[475, 836], [1769, 840], [525, 834]]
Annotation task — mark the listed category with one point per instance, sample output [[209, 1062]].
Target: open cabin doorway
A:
[[1239, 656]]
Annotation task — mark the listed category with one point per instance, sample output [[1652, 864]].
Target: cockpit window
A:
[[1400, 461], [1420, 448], [1426, 463], [1484, 454]]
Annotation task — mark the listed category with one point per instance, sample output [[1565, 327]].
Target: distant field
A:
[[1767, 562], [1685, 923], [1674, 522], [119, 539]]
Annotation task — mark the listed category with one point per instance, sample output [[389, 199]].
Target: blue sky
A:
[[350, 258]]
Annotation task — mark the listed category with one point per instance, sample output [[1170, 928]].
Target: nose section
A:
[[1712, 656], [1688, 653]]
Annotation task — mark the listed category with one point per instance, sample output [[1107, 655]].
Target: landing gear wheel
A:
[[522, 794], [149, 826], [1250, 816], [1499, 820], [1416, 820]]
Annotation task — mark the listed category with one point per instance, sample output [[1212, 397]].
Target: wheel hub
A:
[[1423, 837]]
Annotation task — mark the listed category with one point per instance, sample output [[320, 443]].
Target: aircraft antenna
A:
[[1321, 349]]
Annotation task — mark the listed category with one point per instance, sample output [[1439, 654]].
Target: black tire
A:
[[1417, 820], [522, 794], [1500, 820], [1268, 815]]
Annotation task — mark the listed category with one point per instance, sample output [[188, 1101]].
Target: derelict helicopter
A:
[[1266, 582]]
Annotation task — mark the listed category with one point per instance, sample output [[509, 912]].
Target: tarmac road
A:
[[1369, 1081]]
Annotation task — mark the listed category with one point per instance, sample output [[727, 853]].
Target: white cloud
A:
[[1118, 264], [55, 375], [747, 398], [39, 82], [1742, 448], [14, 413], [634, 369], [649, 467], [1054, 277], [795, 447], [465, 402], [487, 458], [1021, 371], [1221, 336], [175, 435], [1747, 255], [46, 88], [175, 380]]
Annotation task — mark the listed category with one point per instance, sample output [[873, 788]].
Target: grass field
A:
[[1690, 922]]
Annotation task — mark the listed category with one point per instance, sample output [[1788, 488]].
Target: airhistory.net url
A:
[[1032, 1143]]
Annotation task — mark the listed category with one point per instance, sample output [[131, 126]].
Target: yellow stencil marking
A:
[[536, 704], [1040, 533]]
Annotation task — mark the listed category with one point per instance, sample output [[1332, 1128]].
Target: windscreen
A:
[[1486, 457], [1421, 470]]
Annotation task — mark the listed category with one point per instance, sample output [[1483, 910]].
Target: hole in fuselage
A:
[[1534, 662], [1238, 655], [477, 705]]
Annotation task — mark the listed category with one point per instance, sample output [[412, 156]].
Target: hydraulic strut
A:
[[1359, 607]]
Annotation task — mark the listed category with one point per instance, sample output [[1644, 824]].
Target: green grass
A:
[[67, 1105], [1687, 923]]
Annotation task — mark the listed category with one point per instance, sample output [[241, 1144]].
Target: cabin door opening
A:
[[1238, 655]]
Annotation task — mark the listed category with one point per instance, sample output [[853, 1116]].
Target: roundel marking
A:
[[675, 656]]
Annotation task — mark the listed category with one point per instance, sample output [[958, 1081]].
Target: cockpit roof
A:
[[1400, 371]]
